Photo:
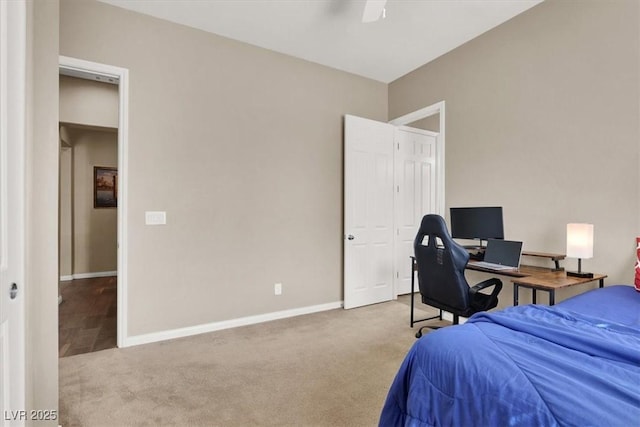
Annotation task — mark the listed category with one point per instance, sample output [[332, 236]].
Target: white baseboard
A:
[[226, 324], [88, 275]]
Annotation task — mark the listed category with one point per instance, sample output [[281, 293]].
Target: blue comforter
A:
[[573, 364]]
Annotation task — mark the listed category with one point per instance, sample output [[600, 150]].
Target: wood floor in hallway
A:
[[87, 316]]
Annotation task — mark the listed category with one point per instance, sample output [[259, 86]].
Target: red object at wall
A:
[[637, 282]]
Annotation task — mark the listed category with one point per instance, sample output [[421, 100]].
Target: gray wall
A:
[[95, 229], [542, 118], [41, 222], [242, 147], [65, 211]]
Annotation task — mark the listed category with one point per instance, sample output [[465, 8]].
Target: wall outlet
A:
[[277, 289]]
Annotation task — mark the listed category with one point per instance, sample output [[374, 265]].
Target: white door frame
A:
[[81, 67], [431, 110]]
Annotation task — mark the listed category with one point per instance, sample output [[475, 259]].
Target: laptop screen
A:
[[503, 252]]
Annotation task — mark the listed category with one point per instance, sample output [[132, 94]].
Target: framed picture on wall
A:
[[105, 187]]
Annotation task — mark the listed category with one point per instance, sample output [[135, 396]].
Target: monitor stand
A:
[[479, 246], [476, 252]]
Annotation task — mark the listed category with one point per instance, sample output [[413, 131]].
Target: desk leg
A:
[[515, 294], [601, 284], [552, 297], [413, 273], [533, 296]]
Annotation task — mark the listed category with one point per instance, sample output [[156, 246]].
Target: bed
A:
[[573, 364]]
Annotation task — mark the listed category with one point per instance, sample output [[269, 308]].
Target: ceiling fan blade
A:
[[373, 10]]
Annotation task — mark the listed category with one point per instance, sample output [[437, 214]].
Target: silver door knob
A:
[[350, 237]]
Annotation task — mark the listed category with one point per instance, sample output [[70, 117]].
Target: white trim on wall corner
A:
[[227, 324], [88, 275]]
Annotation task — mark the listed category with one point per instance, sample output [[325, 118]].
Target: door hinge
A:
[[398, 188], [397, 275]]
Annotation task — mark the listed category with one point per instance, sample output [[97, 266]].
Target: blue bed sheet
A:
[[573, 364]]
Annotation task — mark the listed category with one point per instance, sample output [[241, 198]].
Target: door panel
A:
[[12, 167], [415, 194], [368, 212]]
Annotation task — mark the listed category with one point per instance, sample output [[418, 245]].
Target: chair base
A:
[[419, 333], [456, 320]]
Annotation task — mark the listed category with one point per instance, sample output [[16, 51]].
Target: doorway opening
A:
[[431, 118], [87, 209], [93, 204]]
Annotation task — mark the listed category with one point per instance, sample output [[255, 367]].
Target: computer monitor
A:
[[481, 223]]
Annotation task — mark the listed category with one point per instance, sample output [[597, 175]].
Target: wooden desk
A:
[[550, 281], [539, 279], [556, 258]]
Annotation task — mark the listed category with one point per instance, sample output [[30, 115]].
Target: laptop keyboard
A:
[[493, 266]]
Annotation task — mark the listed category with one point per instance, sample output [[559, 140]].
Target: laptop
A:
[[501, 255]]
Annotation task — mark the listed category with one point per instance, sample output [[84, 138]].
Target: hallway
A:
[[87, 320]]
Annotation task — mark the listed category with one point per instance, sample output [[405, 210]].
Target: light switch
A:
[[155, 217]]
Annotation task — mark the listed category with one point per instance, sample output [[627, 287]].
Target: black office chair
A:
[[441, 263]]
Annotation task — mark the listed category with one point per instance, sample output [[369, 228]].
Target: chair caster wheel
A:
[[418, 334]]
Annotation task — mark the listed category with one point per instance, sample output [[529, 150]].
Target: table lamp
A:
[[580, 245]]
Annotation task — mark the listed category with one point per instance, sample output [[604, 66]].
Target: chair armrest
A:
[[485, 284]]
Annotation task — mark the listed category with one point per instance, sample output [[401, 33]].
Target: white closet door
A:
[[415, 172]]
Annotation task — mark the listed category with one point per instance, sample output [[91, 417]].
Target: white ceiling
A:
[[331, 32]]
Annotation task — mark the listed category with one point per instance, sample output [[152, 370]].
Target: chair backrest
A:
[[441, 263]]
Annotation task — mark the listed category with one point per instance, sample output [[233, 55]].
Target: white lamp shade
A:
[[580, 241]]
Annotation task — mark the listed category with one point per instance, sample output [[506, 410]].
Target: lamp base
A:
[[579, 274]]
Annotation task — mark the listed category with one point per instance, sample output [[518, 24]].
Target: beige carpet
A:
[[326, 369]]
